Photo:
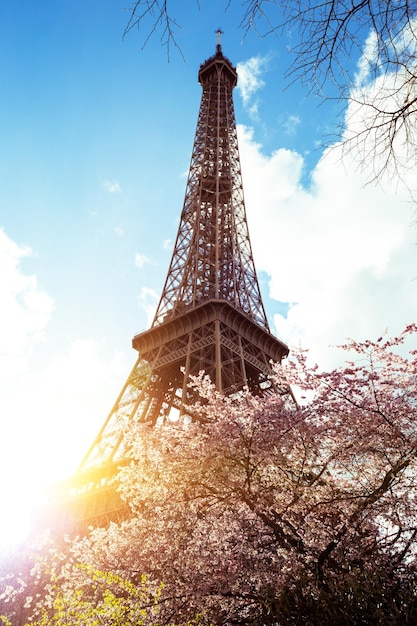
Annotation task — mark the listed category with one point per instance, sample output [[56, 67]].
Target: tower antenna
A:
[[219, 34]]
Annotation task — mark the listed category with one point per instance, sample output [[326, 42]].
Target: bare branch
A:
[[151, 17]]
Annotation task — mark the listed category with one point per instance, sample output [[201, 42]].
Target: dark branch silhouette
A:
[[360, 52]]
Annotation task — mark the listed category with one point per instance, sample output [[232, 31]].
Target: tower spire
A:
[[210, 316], [219, 34]]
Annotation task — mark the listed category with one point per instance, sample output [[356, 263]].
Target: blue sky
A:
[[95, 141], [86, 112]]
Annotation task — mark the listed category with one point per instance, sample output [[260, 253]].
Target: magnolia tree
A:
[[270, 511]]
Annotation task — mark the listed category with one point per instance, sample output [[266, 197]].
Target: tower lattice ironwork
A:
[[210, 316]]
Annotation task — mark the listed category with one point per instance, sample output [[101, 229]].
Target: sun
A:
[[14, 525]]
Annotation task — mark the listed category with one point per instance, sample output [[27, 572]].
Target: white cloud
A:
[[167, 244], [289, 123], [373, 108], [111, 186], [148, 300], [368, 59], [119, 231], [141, 260], [398, 54], [385, 84], [341, 252], [25, 308], [250, 82]]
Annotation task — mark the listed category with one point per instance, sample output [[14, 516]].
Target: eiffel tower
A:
[[210, 316]]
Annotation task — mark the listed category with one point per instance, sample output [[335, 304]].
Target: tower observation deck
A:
[[210, 315]]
